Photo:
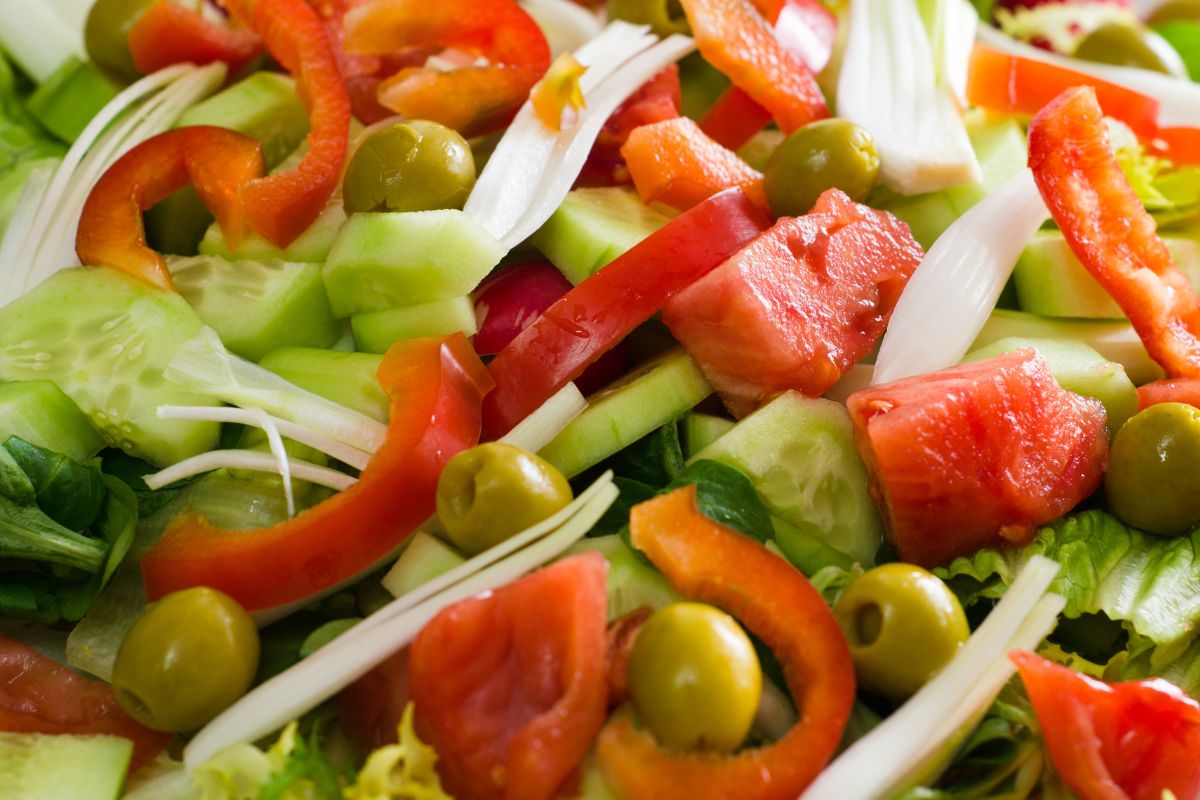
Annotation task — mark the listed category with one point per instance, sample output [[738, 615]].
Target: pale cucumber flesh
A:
[[40, 413], [38, 766], [424, 558], [346, 378], [701, 430], [376, 331], [631, 582], [264, 105], [312, 246]]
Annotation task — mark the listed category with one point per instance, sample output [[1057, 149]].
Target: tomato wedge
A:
[[509, 687], [168, 33], [1172, 390], [591, 318], [714, 564], [217, 161], [435, 387], [658, 99], [39, 695], [1121, 741], [1110, 231]]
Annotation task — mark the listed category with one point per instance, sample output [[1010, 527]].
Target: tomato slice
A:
[[591, 318], [435, 387], [509, 687], [1121, 741], [1172, 390], [39, 695], [1110, 231], [714, 564], [168, 33]]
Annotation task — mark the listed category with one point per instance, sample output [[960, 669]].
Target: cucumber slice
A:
[[311, 247], [806, 552], [594, 226], [701, 430], [1077, 368], [41, 414], [424, 558], [66, 102], [382, 261], [799, 453], [376, 331], [38, 766], [346, 378], [619, 415], [1050, 280], [104, 337], [632, 582], [1116, 340], [265, 106], [258, 306]]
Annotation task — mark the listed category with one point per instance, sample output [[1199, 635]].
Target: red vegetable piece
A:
[[370, 708], [168, 33], [509, 687], [1110, 231], [1172, 390], [512, 300], [39, 695], [659, 99], [1181, 145], [217, 161], [590, 319], [708, 562], [1114, 741], [976, 454], [435, 387], [734, 119], [798, 306]]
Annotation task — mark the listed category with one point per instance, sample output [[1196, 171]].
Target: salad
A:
[[542, 399]]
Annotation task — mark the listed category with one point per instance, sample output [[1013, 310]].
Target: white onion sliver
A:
[[567, 25], [949, 297], [255, 460], [12, 280], [539, 428]]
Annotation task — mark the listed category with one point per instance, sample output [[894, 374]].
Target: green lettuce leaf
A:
[[72, 494]]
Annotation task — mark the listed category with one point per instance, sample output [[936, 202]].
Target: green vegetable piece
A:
[[1175, 11], [1184, 36], [1153, 482], [493, 491], [633, 582], [655, 460], [424, 558], [311, 247], [40, 413], [14, 483], [807, 553], [66, 101], [701, 430], [186, 659], [70, 493], [264, 105], [694, 678], [326, 634], [412, 166], [63, 766], [376, 331], [106, 36], [726, 495], [829, 153], [1125, 45], [14, 175], [382, 261], [665, 17], [903, 625], [28, 534], [346, 378]]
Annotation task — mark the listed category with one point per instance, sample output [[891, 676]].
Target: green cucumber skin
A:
[[346, 378], [38, 766], [376, 331], [312, 246], [423, 559], [631, 582], [265, 106], [66, 101], [41, 414], [701, 430]]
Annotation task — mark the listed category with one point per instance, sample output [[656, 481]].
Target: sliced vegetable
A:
[[658, 99], [168, 33], [826, 154], [1176, 390]]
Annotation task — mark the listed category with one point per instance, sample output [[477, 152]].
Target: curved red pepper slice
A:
[[713, 564], [217, 161], [471, 99], [168, 33], [435, 387], [1110, 231], [591, 318]]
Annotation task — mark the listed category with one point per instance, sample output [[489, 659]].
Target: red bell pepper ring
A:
[[591, 318], [168, 33], [708, 562], [435, 387], [471, 99], [217, 161], [1120, 741], [1110, 231]]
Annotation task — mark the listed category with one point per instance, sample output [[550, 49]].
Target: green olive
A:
[[694, 678], [1153, 479], [663, 16], [412, 166], [1175, 11], [186, 659], [903, 624], [1127, 45], [490, 492], [822, 155], [106, 36]]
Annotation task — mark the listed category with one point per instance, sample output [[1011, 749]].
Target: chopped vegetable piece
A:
[[657, 100], [558, 90], [435, 386], [169, 33], [710, 563], [1174, 390]]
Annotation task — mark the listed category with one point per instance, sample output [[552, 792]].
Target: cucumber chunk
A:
[[346, 378], [1050, 280], [424, 558], [632, 582], [619, 415], [264, 105], [312, 246], [385, 260], [66, 102], [38, 766], [1077, 368], [104, 337], [258, 306], [594, 226], [376, 331], [701, 430], [799, 454], [41, 414]]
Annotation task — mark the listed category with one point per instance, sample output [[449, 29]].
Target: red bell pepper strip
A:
[[591, 318], [168, 33], [1110, 231], [217, 161], [472, 99], [282, 206], [708, 562], [1120, 741], [734, 119], [1174, 390], [435, 387], [1181, 145], [674, 162], [734, 38]]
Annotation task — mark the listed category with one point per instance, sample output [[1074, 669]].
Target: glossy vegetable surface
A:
[[1153, 479], [170, 33], [106, 35], [1123, 45], [411, 166], [828, 154]]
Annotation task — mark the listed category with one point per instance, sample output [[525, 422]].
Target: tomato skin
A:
[[168, 33], [1122, 741], [39, 695], [658, 99], [509, 687], [1171, 390]]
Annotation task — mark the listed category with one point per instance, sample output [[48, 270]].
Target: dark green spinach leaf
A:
[[70, 493]]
